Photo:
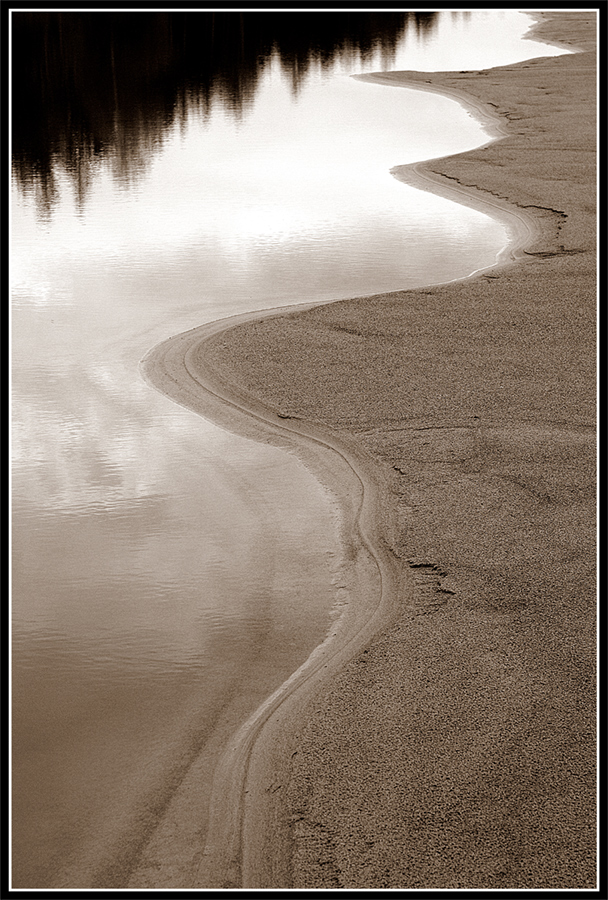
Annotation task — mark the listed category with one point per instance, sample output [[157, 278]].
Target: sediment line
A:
[[172, 369]]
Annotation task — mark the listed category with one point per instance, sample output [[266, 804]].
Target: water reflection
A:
[[166, 573], [88, 86]]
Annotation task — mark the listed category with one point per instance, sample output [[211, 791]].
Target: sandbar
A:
[[445, 739]]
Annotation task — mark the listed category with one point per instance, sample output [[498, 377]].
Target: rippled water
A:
[[167, 575]]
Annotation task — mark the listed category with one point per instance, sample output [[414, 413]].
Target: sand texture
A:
[[452, 745]]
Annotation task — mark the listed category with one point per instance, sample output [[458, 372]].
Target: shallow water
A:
[[162, 568]]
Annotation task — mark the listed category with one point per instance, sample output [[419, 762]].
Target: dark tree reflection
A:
[[92, 85]]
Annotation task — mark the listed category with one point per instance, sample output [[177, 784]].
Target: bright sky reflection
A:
[[294, 202]]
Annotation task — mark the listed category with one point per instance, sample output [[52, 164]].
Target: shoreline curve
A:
[[170, 369], [230, 860]]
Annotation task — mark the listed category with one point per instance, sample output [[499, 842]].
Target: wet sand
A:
[[444, 738]]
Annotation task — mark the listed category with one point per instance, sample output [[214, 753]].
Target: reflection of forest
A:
[[93, 84]]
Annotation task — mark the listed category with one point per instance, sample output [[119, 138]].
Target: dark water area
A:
[[90, 84]]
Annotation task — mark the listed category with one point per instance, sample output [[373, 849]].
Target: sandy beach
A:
[[444, 736]]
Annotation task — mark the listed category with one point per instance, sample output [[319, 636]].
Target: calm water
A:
[[167, 575]]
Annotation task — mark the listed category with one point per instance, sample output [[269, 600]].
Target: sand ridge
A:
[[177, 367]]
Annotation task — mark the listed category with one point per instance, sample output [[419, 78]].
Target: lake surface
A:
[[167, 576]]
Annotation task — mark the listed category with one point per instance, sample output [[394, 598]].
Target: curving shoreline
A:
[[177, 369], [453, 599]]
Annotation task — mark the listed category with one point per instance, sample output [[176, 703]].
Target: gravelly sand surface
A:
[[457, 749]]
